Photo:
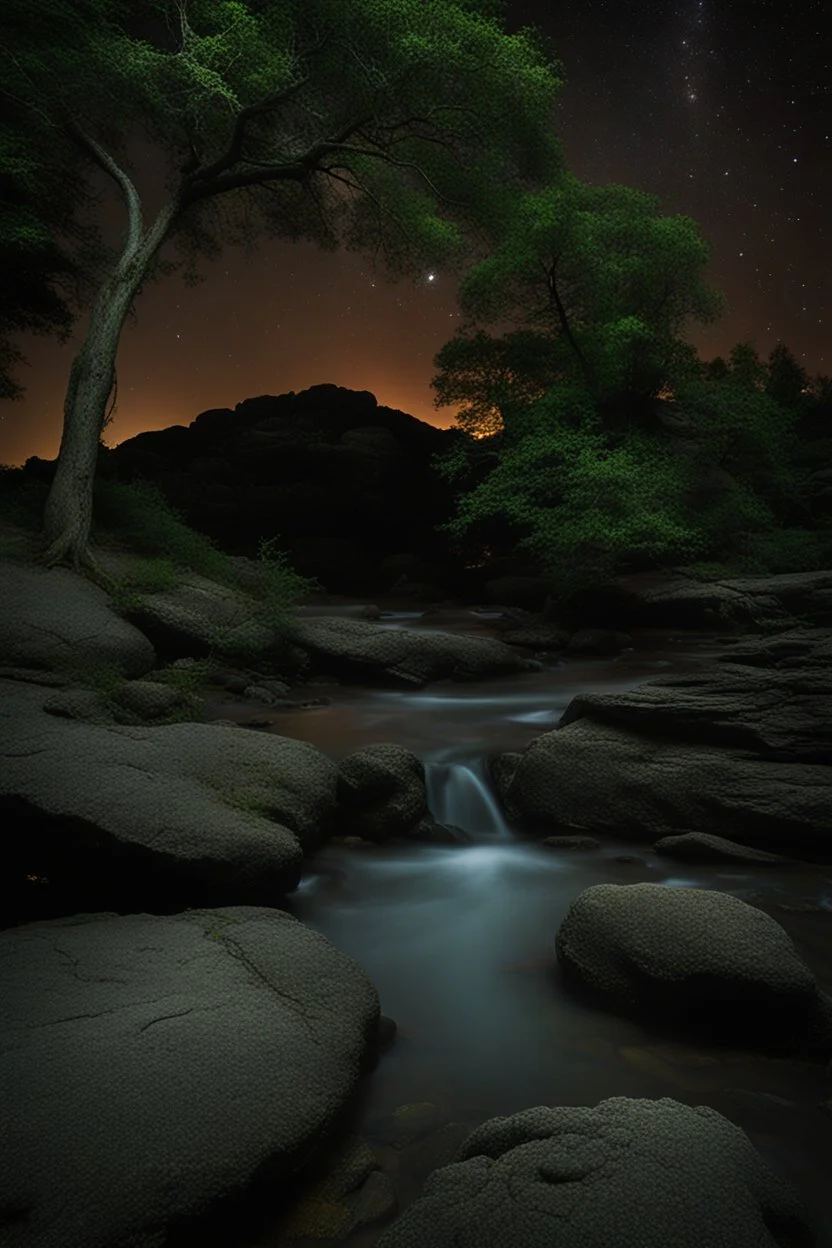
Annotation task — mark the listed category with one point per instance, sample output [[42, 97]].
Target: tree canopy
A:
[[50, 255], [341, 124], [400, 128], [601, 441], [607, 284]]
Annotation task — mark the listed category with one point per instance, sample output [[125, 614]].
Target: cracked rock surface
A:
[[149, 1064], [626, 1172]]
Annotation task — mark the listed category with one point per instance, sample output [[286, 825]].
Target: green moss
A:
[[104, 677], [187, 679]]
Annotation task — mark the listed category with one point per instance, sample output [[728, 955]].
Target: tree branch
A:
[[104, 160], [564, 324], [238, 136]]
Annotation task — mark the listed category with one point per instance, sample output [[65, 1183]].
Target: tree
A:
[[609, 282], [787, 381], [583, 508], [44, 283], [489, 374], [397, 126], [751, 438], [745, 368]]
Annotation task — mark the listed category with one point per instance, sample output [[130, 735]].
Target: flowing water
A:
[[459, 939]]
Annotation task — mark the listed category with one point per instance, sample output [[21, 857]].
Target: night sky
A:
[[723, 111]]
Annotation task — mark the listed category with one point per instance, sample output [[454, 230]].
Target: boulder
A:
[[52, 618], [594, 778], [198, 617], [161, 817], [152, 1067], [628, 1172], [431, 832], [684, 603], [697, 957], [735, 750], [364, 651], [796, 647], [537, 637], [381, 791], [132, 702], [784, 715]]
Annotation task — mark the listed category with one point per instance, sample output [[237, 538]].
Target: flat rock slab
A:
[[152, 1065], [796, 647], [780, 714], [367, 651], [52, 616], [626, 1172], [681, 602], [220, 816], [595, 777]]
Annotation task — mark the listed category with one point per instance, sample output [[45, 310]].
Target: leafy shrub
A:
[[186, 678], [582, 506], [138, 515]]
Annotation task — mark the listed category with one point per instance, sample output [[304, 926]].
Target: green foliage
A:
[[104, 677], [779, 550], [581, 506], [138, 515], [153, 576], [491, 374], [749, 435], [186, 678], [282, 588], [415, 87], [420, 120], [51, 261], [599, 273], [787, 381]]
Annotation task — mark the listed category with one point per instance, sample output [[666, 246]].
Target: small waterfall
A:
[[459, 794]]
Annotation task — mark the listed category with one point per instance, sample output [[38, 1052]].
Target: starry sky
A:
[[722, 111]]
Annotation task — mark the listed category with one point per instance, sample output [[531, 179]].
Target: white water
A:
[[459, 795]]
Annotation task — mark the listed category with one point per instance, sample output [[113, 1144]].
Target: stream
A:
[[459, 939]]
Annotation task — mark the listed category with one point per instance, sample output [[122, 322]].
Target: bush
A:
[[139, 516], [582, 506]]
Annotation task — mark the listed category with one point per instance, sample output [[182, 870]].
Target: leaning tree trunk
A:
[[67, 520]]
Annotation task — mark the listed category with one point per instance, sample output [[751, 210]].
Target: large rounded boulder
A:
[[697, 957], [381, 791], [625, 1173], [152, 1067], [162, 816]]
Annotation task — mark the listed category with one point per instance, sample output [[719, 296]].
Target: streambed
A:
[[459, 939]]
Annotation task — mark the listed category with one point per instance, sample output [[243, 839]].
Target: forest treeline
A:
[[725, 469], [591, 437]]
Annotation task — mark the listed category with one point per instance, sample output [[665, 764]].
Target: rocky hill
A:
[[345, 484]]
